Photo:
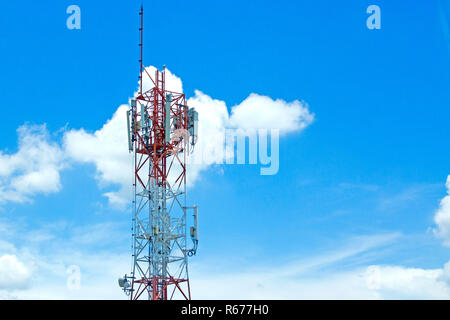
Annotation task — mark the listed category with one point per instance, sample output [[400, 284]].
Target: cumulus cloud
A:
[[442, 217], [397, 282], [107, 148], [446, 273], [14, 274], [262, 112], [33, 169]]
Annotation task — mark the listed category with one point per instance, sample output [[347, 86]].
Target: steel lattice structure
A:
[[162, 130]]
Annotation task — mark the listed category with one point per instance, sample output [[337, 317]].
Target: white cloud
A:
[[13, 273], [442, 217], [446, 273], [107, 147], [33, 169], [213, 120], [261, 112], [396, 282]]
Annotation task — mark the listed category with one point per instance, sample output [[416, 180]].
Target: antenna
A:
[[141, 45]]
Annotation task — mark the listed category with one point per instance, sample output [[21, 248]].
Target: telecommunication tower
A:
[[162, 130]]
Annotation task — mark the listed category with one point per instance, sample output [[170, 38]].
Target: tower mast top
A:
[[141, 45]]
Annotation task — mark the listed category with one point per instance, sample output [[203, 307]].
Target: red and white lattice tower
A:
[[162, 130]]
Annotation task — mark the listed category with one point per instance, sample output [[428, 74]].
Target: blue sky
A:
[[370, 170]]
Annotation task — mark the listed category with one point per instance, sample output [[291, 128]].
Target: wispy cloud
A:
[[321, 277], [405, 198], [326, 275]]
